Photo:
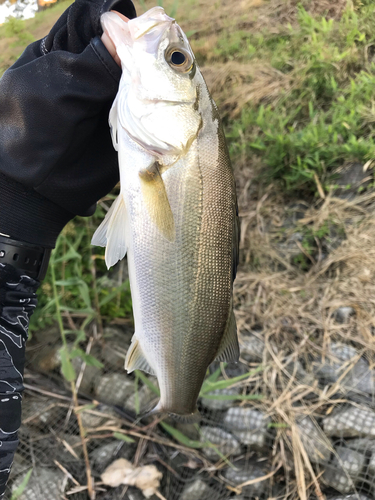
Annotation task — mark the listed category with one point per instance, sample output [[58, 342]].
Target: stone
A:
[[112, 358], [40, 413], [371, 465], [90, 373], [361, 444], [92, 418], [51, 334], [246, 472], [114, 389], [225, 442], [196, 491], [134, 494], [189, 430], [106, 452], [251, 346], [289, 247], [43, 483], [45, 359], [248, 425], [144, 396], [115, 346], [343, 314], [350, 422], [119, 335], [235, 369], [295, 369], [220, 404], [349, 178], [102, 456], [345, 470], [318, 447], [329, 369], [20, 465], [75, 443], [360, 378], [354, 496]]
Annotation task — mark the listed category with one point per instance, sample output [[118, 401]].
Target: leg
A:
[[17, 303]]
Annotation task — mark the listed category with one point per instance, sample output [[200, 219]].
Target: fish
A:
[[176, 216]]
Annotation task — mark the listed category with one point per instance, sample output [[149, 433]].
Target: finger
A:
[[124, 18], [109, 45]]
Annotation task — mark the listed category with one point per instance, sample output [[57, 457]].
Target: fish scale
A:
[[176, 215]]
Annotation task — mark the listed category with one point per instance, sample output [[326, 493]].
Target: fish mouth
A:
[[154, 22]]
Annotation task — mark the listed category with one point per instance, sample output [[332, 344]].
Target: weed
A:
[[21, 488]]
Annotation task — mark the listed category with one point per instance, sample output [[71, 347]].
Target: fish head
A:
[[159, 89]]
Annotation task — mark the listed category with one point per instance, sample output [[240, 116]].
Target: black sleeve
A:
[[17, 303], [56, 153]]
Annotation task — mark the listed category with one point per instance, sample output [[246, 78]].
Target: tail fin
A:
[[112, 232]]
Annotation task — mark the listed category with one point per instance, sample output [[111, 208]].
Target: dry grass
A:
[[285, 11], [295, 310], [235, 84]]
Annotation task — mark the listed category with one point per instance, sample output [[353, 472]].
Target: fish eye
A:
[[179, 59]]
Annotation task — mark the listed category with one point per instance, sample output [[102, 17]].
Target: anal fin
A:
[[229, 349], [135, 359], [156, 201]]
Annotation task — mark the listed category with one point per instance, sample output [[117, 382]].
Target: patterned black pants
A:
[[17, 303]]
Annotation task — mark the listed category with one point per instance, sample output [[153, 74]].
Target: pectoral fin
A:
[[111, 233], [229, 349], [135, 359], [156, 201]]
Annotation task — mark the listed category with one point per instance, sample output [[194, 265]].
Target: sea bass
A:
[[176, 215]]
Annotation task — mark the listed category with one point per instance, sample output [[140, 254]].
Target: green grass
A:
[[327, 115]]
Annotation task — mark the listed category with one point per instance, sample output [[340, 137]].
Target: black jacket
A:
[[56, 154]]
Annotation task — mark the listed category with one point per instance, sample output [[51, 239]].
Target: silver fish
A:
[[176, 214]]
